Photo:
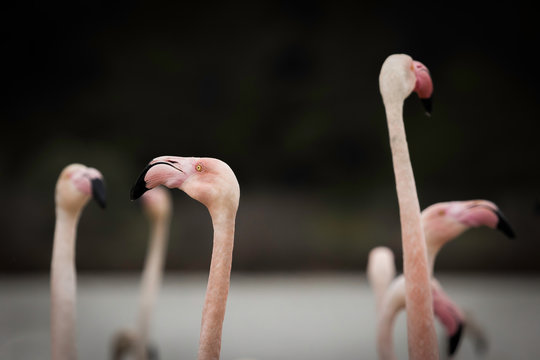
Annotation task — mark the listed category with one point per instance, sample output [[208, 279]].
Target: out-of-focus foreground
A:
[[294, 316]]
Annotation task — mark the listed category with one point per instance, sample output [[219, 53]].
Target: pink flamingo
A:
[[213, 183], [75, 185], [399, 77], [442, 222], [157, 206]]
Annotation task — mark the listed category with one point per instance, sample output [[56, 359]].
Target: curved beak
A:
[[503, 225], [140, 185], [423, 86], [98, 192], [453, 341], [427, 105]]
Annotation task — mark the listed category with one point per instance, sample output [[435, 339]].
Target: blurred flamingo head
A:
[[77, 184], [445, 221]]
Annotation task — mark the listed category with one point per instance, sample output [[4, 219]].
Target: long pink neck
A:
[[218, 286], [432, 251], [422, 338], [151, 279], [393, 301], [63, 287]]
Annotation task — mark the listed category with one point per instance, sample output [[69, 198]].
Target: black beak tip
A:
[[138, 190], [504, 226], [428, 105], [140, 185], [453, 341], [98, 192]]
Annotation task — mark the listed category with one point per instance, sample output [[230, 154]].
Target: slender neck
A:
[[63, 287], [152, 275], [218, 285], [385, 327], [432, 251], [422, 338]]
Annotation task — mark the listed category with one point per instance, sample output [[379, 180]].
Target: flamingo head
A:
[[445, 221], [76, 185], [210, 181], [157, 203], [400, 76]]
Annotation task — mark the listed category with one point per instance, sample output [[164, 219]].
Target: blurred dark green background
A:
[[287, 94]]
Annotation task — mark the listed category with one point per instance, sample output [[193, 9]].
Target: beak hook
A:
[[98, 192]]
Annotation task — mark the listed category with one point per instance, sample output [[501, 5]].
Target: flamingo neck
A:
[[432, 252], [64, 286], [151, 278], [392, 303], [422, 338], [385, 339], [218, 284]]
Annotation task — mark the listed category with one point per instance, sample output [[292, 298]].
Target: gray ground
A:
[[287, 316]]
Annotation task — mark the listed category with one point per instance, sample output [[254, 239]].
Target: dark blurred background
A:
[[287, 94]]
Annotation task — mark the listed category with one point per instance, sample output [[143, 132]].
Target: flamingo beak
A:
[[427, 105], [503, 225], [423, 86], [98, 192], [140, 185], [453, 341]]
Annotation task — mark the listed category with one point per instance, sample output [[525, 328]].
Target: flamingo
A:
[[400, 76], [75, 185], [213, 183], [442, 222], [157, 206]]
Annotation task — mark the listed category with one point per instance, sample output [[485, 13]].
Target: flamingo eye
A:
[[198, 167], [441, 213]]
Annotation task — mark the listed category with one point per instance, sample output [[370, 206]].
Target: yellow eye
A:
[[198, 167]]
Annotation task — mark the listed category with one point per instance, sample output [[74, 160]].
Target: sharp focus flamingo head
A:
[[444, 221], [400, 76], [210, 181], [157, 203], [77, 184]]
